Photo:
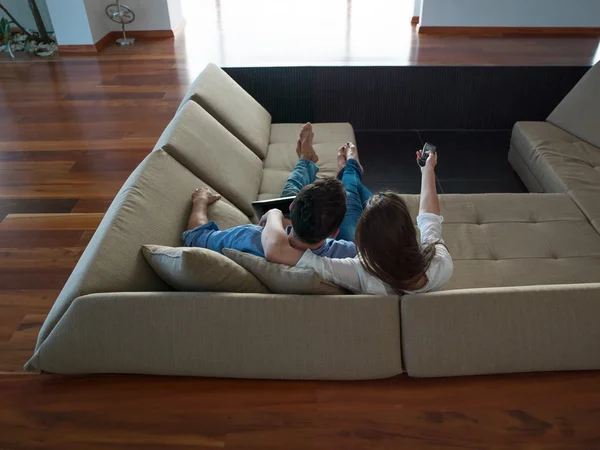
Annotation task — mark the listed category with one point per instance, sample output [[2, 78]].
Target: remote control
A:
[[427, 149]]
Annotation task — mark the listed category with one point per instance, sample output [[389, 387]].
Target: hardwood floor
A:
[[540, 411], [71, 131]]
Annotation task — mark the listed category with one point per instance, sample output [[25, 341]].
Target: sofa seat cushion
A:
[[337, 133], [233, 107], [282, 158], [517, 239], [152, 207], [559, 162], [213, 154]]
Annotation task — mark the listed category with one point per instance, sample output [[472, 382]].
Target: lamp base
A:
[[125, 41]]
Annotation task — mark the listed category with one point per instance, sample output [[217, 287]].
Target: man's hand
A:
[[273, 212], [263, 220], [430, 163]]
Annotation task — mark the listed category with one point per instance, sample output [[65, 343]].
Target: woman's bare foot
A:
[[306, 143], [352, 153], [204, 196], [341, 158]]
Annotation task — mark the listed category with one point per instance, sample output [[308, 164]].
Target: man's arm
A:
[[430, 203], [275, 241]]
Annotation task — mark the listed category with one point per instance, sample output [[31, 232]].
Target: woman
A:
[[390, 259]]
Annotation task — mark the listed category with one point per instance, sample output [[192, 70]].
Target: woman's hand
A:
[[430, 163], [429, 202]]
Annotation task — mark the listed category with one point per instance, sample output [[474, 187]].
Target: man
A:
[[317, 213]]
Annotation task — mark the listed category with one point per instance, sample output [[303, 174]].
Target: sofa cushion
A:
[[337, 133], [227, 335], [152, 207], [199, 269], [588, 200], [559, 162], [282, 158], [485, 331], [282, 279], [233, 107], [207, 149], [579, 112], [517, 239]]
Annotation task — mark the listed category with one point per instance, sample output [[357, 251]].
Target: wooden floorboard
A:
[[71, 131], [541, 411]]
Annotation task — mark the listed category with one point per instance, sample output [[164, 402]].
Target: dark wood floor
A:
[[500, 413], [71, 131]]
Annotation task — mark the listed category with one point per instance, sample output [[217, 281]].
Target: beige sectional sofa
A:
[[525, 295]]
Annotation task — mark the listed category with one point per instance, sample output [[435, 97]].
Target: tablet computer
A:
[[260, 207]]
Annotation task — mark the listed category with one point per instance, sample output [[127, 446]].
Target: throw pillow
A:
[[282, 279], [199, 269]]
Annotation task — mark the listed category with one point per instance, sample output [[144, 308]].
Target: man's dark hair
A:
[[318, 210]]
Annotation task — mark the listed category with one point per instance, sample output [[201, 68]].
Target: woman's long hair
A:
[[387, 242]]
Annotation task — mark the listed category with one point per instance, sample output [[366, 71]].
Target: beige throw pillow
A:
[[199, 269], [282, 279]]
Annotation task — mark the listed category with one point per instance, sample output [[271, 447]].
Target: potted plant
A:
[[39, 42]]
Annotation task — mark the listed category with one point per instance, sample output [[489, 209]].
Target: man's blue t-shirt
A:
[[247, 238]]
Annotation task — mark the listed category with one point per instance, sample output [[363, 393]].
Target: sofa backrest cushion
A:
[[282, 279], [213, 154], [231, 105], [152, 207], [579, 111], [200, 270]]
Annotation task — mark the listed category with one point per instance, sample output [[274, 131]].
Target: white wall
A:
[[20, 11], [69, 18], [511, 13], [149, 15], [99, 22], [417, 8], [84, 22], [175, 12]]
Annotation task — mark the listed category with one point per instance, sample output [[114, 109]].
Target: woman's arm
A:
[[430, 202], [275, 240], [343, 272]]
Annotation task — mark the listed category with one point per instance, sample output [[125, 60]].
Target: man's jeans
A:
[[357, 195]]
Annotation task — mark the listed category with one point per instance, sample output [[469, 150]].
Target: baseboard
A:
[[111, 37], [66, 49], [415, 20], [511, 31], [104, 42], [147, 34]]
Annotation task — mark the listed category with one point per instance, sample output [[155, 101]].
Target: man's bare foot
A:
[[306, 143], [341, 158], [298, 150], [204, 196], [352, 153]]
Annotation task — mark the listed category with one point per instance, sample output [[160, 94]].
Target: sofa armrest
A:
[[226, 335], [502, 330]]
